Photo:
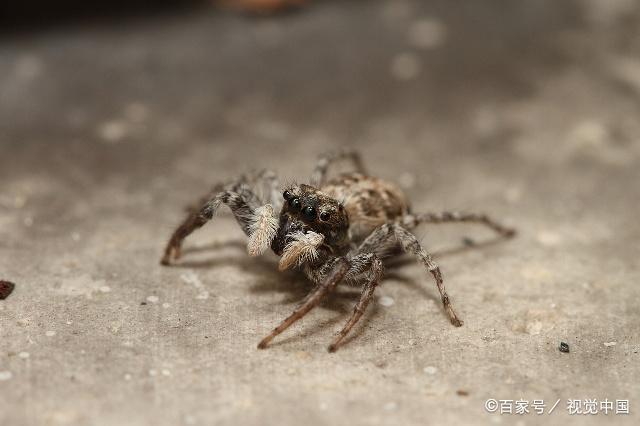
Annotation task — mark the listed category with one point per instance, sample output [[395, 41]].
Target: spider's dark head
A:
[[307, 209]]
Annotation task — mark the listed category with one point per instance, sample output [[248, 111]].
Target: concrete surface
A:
[[525, 110]]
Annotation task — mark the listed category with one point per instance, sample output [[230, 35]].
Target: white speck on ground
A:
[[549, 238], [105, 289], [127, 377], [407, 180], [609, 344], [166, 305], [405, 66], [5, 375], [204, 295], [113, 131], [430, 370], [192, 278], [533, 328], [153, 299], [391, 406], [166, 372], [24, 355], [153, 372], [50, 333], [386, 301], [427, 33]]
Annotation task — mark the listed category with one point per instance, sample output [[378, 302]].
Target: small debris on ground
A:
[[468, 242], [609, 344], [462, 392], [564, 347], [6, 288]]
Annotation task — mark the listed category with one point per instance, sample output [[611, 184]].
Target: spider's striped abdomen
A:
[[369, 201]]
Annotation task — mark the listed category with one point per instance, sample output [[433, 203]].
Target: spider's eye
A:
[[309, 212], [295, 203], [286, 195], [324, 216]]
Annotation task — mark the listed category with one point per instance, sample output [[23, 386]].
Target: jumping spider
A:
[[335, 230]]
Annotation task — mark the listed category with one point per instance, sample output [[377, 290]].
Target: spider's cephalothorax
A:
[[335, 230], [306, 209]]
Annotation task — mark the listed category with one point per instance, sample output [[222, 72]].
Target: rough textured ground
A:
[[527, 111]]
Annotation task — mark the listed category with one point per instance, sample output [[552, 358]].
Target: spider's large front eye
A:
[[324, 216], [286, 195], [295, 204], [309, 212]]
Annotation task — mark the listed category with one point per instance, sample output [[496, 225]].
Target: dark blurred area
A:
[[34, 15]]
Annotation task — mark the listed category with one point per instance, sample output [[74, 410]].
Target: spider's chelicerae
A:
[[335, 230]]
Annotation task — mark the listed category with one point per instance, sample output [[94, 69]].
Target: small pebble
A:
[[5, 375], [6, 288], [153, 299], [386, 301], [166, 305], [50, 333], [430, 370], [24, 355], [127, 377], [609, 344], [166, 372], [462, 392], [564, 347], [105, 289]]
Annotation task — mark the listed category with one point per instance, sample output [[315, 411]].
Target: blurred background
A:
[[115, 115]]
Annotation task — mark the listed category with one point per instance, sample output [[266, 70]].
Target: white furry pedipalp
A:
[[303, 248], [263, 230]]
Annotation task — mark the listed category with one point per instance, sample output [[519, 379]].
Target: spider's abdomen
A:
[[369, 201]]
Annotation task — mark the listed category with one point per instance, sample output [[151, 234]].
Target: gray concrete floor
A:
[[527, 111]]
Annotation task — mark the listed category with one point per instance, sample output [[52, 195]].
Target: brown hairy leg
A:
[[382, 240], [320, 172], [412, 220], [332, 279], [374, 265], [242, 203]]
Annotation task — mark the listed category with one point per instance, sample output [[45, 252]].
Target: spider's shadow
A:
[[297, 286]]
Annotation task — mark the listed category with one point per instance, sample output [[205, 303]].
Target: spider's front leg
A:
[[378, 242], [240, 199], [370, 264], [337, 270]]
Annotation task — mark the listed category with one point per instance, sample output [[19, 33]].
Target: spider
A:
[[336, 230]]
